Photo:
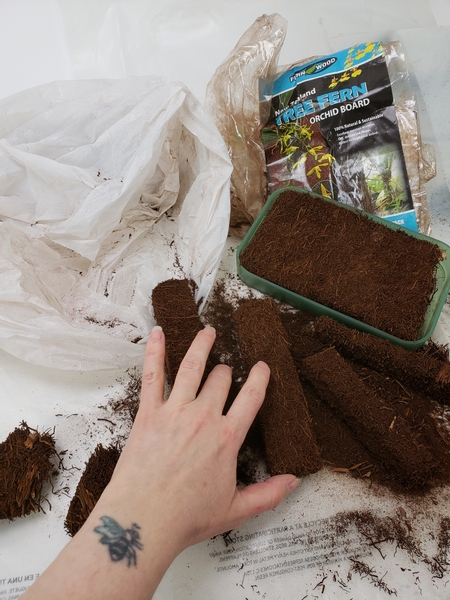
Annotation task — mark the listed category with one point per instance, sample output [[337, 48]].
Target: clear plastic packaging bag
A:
[[420, 158], [232, 98]]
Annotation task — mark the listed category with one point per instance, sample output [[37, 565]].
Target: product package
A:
[[345, 126]]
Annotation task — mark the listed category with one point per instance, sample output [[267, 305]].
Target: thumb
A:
[[266, 495]]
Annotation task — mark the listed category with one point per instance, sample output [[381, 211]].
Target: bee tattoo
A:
[[122, 543]]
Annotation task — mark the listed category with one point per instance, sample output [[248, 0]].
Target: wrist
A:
[[145, 545]]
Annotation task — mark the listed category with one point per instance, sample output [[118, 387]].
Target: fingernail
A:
[[293, 484], [156, 333], [209, 329]]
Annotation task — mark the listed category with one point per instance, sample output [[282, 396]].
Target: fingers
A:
[[216, 387], [249, 400], [192, 367], [261, 497], [152, 394]]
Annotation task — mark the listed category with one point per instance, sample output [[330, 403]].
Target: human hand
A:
[[174, 484], [179, 464]]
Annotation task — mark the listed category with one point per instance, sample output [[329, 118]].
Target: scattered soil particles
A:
[[397, 530], [25, 465], [346, 261], [128, 403], [95, 478], [290, 442], [177, 313]]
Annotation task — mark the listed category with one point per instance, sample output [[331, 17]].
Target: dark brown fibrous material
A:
[[381, 429], [286, 424], [25, 466], [219, 314], [339, 447], [300, 331], [346, 261], [177, 313], [95, 478], [423, 416], [417, 369]]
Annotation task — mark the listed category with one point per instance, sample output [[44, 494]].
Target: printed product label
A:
[[333, 130]]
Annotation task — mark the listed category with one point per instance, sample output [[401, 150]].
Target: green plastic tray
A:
[[289, 297]]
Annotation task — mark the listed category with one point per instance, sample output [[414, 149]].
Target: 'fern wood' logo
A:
[[316, 67]]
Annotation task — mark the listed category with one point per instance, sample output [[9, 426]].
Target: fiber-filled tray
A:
[[434, 301]]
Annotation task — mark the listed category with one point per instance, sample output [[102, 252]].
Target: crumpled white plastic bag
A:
[[107, 187]]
